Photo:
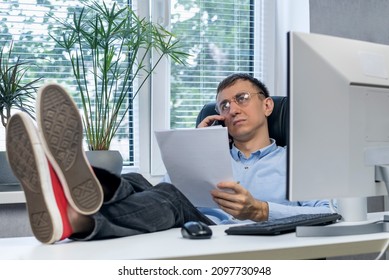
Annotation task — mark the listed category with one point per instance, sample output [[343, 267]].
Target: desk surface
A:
[[170, 245]]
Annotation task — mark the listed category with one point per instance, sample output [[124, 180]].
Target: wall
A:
[[13, 218], [14, 221], [365, 20]]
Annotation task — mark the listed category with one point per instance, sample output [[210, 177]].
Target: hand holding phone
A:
[[212, 121]]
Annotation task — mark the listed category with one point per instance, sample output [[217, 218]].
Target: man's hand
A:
[[237, 201], [209, 121]]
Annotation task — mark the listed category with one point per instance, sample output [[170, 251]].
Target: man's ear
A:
[[268, 104]]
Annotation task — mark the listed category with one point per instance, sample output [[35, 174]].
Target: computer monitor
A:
[[338, 146]]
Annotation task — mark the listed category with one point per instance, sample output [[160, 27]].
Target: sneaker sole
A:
[[61, 131], [29, 164]]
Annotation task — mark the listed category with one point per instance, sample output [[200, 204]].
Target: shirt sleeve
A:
[[277, 210]]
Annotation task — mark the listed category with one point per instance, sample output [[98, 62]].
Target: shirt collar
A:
[[237, 154]]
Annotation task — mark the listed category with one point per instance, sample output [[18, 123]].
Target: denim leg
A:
[[148, 209], [111, 182], [137, 181]]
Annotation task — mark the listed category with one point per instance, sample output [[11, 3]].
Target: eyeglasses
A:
[[241, 98]]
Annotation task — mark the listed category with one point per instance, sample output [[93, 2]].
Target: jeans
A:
[[138, 207]]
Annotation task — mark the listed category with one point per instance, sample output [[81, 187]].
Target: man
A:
[[67, 198], [259, 165]]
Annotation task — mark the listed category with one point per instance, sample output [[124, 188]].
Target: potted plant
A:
[[109, 49], [15, 93]]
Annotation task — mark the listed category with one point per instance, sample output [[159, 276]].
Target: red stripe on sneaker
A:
[[62, 203]]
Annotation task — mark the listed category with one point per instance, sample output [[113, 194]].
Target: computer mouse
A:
[[196, 230]]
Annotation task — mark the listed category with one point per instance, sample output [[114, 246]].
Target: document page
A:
[[196, 160]]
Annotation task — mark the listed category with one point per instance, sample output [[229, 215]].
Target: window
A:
[[219, 35], [27, 24], [223, 36]]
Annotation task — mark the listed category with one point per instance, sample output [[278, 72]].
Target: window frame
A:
[[158, 111]]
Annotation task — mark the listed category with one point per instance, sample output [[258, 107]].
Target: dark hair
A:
[[231, 79]]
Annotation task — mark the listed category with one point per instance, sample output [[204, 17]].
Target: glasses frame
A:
[[234, 99]]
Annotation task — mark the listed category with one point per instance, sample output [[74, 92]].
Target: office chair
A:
[[277, 121]]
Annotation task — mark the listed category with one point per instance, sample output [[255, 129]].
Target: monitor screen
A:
[[338, 92]]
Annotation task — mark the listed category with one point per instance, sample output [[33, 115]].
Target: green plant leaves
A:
[[109, 48], [15, 92]]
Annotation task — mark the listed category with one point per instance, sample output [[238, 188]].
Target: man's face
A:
[[249, 120]]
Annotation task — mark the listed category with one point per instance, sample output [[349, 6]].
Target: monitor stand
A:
[[345, 228], [341, 230]]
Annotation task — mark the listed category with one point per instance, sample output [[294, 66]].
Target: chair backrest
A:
[[277, 121]]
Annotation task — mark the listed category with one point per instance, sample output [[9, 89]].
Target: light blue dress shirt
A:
[[263, 174]]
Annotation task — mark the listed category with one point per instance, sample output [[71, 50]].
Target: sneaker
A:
[[60, 129], [45, 199]]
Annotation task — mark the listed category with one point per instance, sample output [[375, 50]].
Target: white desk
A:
[[170, 245]]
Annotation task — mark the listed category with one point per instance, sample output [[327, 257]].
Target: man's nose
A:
[[234, 107]]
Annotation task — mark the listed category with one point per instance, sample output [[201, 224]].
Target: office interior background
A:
[[223, 37]]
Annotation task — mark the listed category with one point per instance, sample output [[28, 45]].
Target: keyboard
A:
[[283, 225]]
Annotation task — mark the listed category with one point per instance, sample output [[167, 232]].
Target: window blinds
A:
[[219, 35], [26, 25]]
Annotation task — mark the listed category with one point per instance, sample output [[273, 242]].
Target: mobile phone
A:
[[217, 122]]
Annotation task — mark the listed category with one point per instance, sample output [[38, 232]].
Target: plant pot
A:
[[8, 181], [109, 160]]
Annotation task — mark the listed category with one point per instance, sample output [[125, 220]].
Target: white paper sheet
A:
[[196, 160]]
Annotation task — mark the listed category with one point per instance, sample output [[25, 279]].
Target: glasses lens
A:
[[224, 106], [242, 98]]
